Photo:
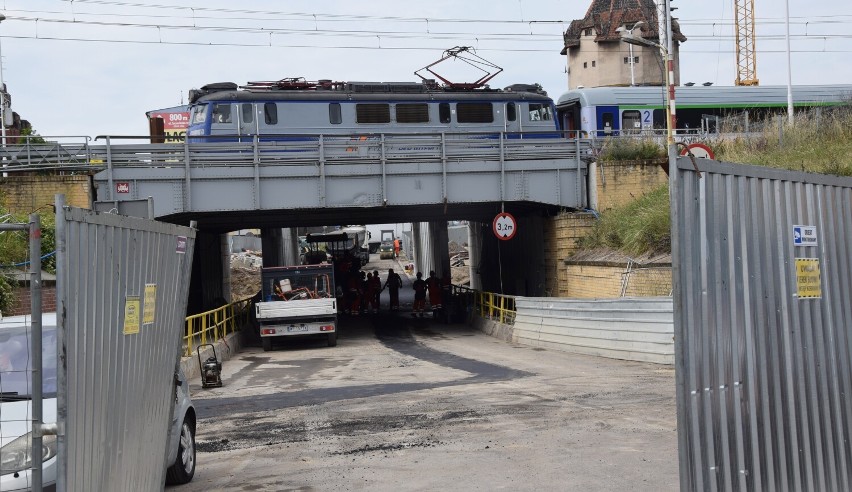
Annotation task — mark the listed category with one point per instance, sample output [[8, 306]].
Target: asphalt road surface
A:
[[406, 404]]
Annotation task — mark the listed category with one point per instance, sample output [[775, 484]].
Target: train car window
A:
[[631, 121], [372, 113], [607, 122], [334, 115], [444, 112], [412, 113], [248, 112], [511, 112], [540, 112], [270, 113], [222, 113], [659, 119], [474, 113]]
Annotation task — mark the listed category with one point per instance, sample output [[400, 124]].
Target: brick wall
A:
[[561, 234], [21, 305], [621, 182], [590, 281], [24, 194]]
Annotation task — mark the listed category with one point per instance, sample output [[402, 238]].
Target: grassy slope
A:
[[643, 226]]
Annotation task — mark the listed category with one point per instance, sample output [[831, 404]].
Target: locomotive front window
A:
[[372, 113], [511, 112], [270, 113], [247, 112], [444, 112], [412, 113], [540, 112], [474, 113], [199, 114], [335, 117]]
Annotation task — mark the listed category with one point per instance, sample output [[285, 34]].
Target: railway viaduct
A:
[[277, 186]]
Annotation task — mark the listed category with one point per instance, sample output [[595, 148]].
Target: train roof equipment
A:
[[467, 55]]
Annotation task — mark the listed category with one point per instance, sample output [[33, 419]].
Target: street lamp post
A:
[[2, 98], [666, 52], [2, 106], [789, 68]]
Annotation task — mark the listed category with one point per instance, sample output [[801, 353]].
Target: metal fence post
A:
[[37, 380], [61, 363]]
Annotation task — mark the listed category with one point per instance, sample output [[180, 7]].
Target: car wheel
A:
[[267, 343], [332, 339], [183, 469]]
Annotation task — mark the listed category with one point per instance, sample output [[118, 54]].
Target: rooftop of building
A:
[[605, 16]]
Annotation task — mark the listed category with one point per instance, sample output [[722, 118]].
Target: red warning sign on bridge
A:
[[505, 226]]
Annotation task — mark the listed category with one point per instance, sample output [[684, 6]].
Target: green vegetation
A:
[[35, 138], [818, 144], [814, 144], [14, 249], [630, 149], [642, 226]]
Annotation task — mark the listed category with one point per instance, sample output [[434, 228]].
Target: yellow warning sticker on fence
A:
[[150, 306], [131, 315], [808, 278]]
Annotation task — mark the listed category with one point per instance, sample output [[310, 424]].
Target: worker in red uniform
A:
[[353, 291], [434, 286], [371, 291], [377, 290], [396, 248], [419, 286], [393, 284]]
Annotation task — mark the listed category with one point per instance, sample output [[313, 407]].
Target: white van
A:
[[16, 410]]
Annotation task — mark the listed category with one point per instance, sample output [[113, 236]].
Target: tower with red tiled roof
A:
[[597, 56]]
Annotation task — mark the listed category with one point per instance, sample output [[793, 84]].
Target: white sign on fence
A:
[[804, 235]]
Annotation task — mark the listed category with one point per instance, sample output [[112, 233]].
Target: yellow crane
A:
[[746, 49]]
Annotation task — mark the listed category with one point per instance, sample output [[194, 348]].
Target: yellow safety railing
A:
[[497, 307], [213, 325]]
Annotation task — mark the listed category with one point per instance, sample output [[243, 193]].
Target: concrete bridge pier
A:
[[210, 284], [431, 247], [516, 266], [280, 247], [474, 244]]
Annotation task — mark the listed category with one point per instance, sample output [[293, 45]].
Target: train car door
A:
[[224, 121], [247, 121], [512, 122], [608, 123]]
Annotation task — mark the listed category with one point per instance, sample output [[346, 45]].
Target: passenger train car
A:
[[604, 111], [297, 107]]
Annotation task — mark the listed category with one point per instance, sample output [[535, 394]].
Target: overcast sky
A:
[[94, 67]]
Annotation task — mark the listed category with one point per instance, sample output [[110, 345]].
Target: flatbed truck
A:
[[297, 301]]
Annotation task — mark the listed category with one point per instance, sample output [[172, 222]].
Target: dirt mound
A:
[[245, 275]]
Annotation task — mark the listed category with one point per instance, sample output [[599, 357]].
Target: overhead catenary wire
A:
[[350, 47]]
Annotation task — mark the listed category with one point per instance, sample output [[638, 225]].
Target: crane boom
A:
[[746, 46]]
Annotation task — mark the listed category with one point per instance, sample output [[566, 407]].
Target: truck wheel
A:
[[267, 343], [332, 339]]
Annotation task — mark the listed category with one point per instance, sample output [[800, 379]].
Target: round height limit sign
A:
[[505, 226]]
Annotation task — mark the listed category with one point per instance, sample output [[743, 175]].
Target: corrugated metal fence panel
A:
[[639, 329], [120, 386], [764, 381]]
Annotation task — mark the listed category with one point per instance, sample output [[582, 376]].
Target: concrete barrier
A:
[[639, 329]]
